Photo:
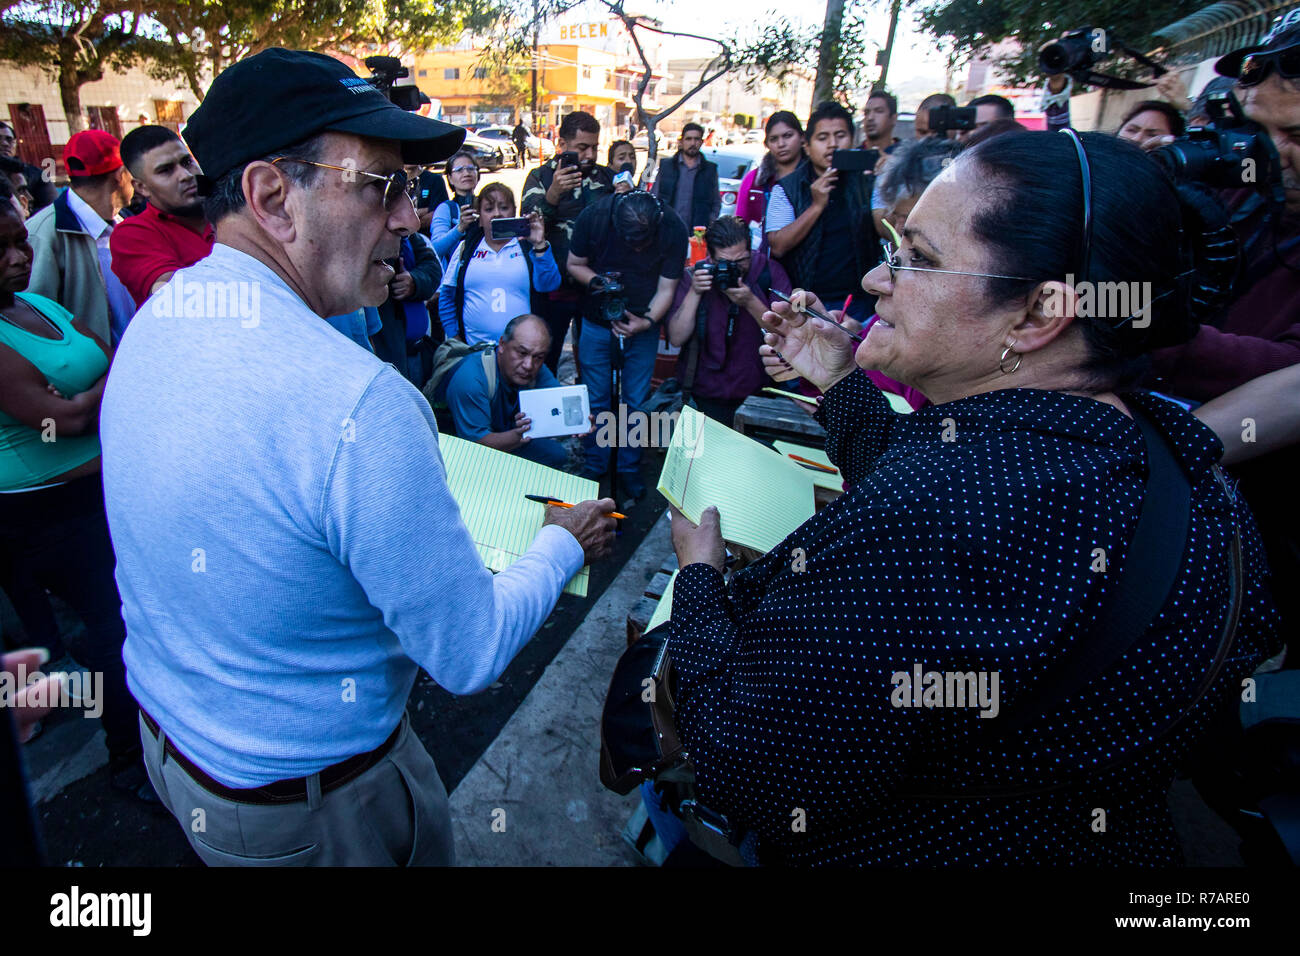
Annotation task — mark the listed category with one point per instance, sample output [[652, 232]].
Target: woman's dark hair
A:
[[767, 168], [914, 166], [1032, 226], [996, 128], [1177, 125], [497, 189]]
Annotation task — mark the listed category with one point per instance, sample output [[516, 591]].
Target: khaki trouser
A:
[[394, 814]]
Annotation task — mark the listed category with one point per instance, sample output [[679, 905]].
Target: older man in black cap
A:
[[297, 556]]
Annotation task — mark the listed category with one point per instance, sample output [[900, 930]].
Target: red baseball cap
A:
[[92, 152]]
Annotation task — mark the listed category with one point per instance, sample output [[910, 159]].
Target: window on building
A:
[[451, 73], [586, 72], [105, 118], [480, 73], [423, 73], [170, 114]]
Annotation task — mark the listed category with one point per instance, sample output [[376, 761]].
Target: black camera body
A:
[[726, 275], [1233, 154], [383, 71], [1077, 50], [610, 298], [945, 118]]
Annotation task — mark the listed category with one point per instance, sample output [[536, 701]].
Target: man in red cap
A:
[[70, 236]]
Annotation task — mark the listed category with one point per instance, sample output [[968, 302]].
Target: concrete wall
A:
[[132, 93]]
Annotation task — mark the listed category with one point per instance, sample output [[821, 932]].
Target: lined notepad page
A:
[[834, 482], [490, 485], [761, 496], [664, 609]]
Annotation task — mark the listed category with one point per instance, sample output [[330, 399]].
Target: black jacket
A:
[[705, 199], [802, 261], [390, 340]]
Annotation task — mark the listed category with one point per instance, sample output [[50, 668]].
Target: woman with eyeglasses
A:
[[453, 219], [1002, 642]]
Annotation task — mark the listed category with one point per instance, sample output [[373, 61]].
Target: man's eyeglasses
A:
[[396, 184], [1254, 68]]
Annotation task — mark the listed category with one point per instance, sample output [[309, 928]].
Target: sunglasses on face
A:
[[396, 185], [1255, 68]]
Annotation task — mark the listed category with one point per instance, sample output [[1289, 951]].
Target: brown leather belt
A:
[[282, 791]]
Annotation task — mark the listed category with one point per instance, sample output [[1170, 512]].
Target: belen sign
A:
[[584, 31]]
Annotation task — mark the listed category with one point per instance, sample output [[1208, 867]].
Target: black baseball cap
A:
[[279, 97], [1282, 35]]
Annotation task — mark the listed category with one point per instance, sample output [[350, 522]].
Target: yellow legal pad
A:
[[834, 482], [664, 609], [761, 496], [490, 485]]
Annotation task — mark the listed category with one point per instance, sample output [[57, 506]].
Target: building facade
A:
[[587, 64], [29, 102], [738, 92]]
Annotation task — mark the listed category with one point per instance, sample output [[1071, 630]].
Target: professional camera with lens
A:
[[726, 275], [609, 297], [1233, 154], [384, 70]]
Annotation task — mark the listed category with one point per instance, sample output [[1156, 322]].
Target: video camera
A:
[[1078, 51], [726, 274], [383, 71], [945, 118], [1233, 154], [609, 296]]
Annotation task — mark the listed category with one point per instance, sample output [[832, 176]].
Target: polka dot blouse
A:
[[979, 535]]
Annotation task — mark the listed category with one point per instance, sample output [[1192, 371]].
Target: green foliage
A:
[[972, 25], [776, 47]]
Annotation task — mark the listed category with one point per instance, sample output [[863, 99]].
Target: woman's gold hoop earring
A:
[[1002, 362]]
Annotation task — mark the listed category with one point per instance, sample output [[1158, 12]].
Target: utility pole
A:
[[536, 14], [882, 58]]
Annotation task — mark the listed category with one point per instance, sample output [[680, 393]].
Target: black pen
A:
[[821, 315]]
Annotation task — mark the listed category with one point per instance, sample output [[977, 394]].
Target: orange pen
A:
[[542, 499]]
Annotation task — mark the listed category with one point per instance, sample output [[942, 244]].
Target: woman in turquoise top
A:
[[53, 533]]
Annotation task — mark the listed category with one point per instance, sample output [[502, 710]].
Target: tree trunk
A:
[[70, 95], [828, 54]]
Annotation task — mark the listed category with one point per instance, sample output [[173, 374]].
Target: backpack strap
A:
[[1150, 570], [490, 371]]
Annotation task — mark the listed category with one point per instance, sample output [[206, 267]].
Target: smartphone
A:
[[510, 228], [855, 160], [569, 158], [944, 118]]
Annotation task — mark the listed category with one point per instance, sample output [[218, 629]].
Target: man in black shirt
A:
[[819, 219], [429, 192], [560, 192], [638, 237]]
